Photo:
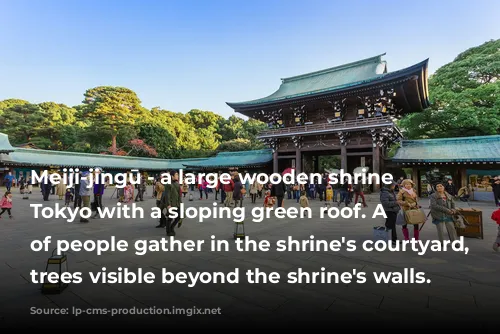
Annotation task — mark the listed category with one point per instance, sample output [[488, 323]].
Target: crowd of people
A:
[[400, 198], [397, 199]]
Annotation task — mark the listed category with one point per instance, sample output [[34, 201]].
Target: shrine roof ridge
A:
[[375, 59], [493, 138], [334, 80], [459, 149]]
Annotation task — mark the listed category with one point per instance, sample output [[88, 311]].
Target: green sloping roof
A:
[[325, 80], [45, 158], [463, 149], [5, 146], [236, 159]]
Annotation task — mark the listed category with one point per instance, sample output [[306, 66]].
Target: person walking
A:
[[407, 198], [228, 190], [278, 191], [238, 193], [254, 191], [391, 207], [6, 204], [358, 192], [8, 180], [98, 192], [159, 189], [304, 202], [495, 216], [450, 188], [77, 200], [442, 211], [85, 190], [496, 190], [173, 200], [45, 187], [141, 189]]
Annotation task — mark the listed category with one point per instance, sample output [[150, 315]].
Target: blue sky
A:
[[183, 55]]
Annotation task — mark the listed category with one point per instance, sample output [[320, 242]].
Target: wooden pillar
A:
[[298, 161], [275, 162], [463, 177], [415, 179], [343, 157], [376, 164]]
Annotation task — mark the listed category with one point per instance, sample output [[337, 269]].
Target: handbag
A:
[[460, 221], [381, 233], [400, 218], [415, 216]]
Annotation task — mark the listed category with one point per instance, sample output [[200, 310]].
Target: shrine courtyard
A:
[[461, 285]]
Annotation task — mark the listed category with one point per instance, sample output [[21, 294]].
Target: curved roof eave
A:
[[263, 102]]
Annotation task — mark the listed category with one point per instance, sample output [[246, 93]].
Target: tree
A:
[[57, 125], [5, 104], [135, 145], [111, 109], [464, 97], [235, 145], [22, 122]]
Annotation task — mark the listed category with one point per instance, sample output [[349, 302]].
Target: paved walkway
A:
[[462, 286]]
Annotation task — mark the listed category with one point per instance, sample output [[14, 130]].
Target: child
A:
[[6, 204], [68, 197], [128, 193], [269, 201], [329, 193], [304, 202], [496, 217]]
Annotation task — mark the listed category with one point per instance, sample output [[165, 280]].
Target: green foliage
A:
[[465, 97], [10, 103], [464, 102], [112, 120], [22, 122], [329, 162], [391, 152]]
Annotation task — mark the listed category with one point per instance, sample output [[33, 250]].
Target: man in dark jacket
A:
[[391, 207], [496, 190], [237, 195], [278, 191], [450, 188], [173, 200]]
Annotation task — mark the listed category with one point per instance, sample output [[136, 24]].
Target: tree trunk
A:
[[113, 145]]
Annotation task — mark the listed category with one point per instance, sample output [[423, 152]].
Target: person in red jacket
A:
[[6, 204], [228, 189], [496, 217]]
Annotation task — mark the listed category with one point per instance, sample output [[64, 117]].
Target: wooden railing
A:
[[352, 124]]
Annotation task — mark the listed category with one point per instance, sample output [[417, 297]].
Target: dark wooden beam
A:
[[354, 154]]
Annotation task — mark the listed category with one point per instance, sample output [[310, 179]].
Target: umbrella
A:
[[287, 171]]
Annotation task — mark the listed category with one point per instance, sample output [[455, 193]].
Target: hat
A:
[[388, 185], [405, 182], [436, 182]]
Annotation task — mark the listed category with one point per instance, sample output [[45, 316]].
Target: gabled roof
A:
[[338, 79], [5, 146], [463, 149], [334, 77], [45, 158], [248, 159]]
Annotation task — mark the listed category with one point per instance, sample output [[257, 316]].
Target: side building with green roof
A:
[[473, 161], [21, 161]]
